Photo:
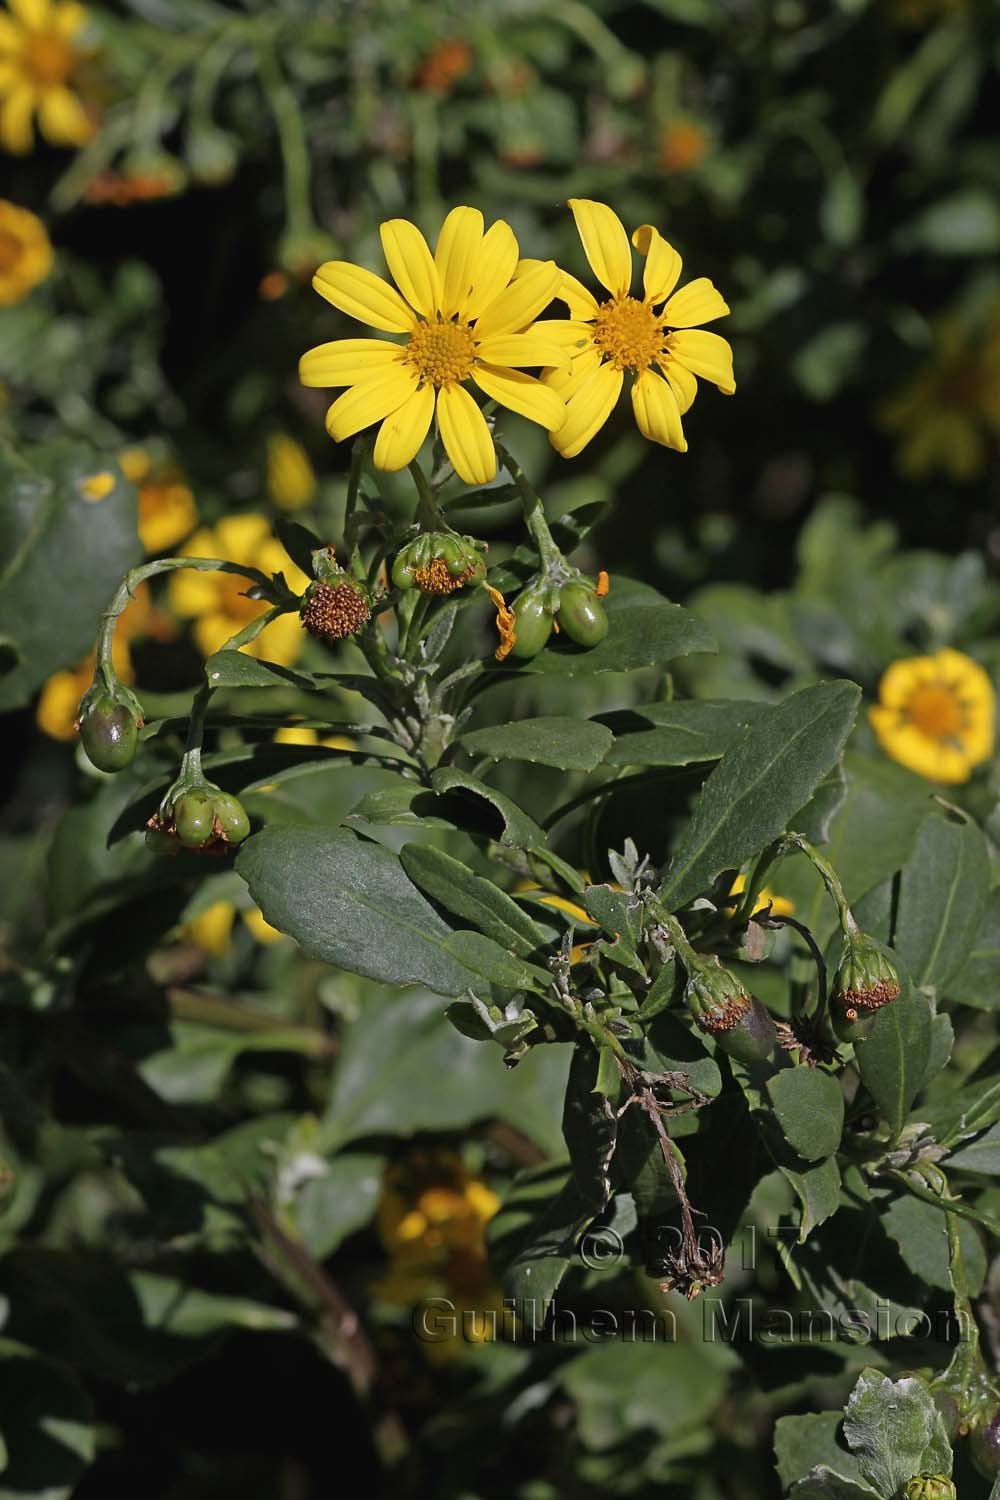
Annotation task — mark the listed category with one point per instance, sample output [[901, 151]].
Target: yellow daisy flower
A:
[[466, 313], [211, 932], [937, 715], [655, 338], [948, 416], [291, 479], [38, 56], [25, 253], [217, 602], [295, 734]]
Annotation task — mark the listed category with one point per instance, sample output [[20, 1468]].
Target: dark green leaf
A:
[[760, 783], [893, 1061], [977, 982], [350, 903], [48, 1424], [809, 1108], [941, 895], [454, 886], [567, 744], [804, 1443], [678, 733], [533, 1239], [515, 827], [895, 1430], [644, 631]]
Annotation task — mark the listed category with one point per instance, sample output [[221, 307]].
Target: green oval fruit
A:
[[581, 614], [109, 734], [852, 1028], [194, 819], [231, 816], [752, 1039], [532, 624], [984, 1448]]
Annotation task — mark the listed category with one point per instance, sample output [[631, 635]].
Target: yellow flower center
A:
[[934, 709], [11, 250], [47, 58], [628, 333], [441, 352]]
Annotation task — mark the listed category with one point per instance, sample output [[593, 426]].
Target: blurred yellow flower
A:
[[294, 734], [663, 350], [681, 145], [948, 416], [167, 509], [25, 252], [780, 906], [55, 713], [467, 313], [291, 479], [211, 931], [39, 54], [217, 602], [937, 715]]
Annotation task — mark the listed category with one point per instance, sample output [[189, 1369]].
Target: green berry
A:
[[109, 733], [532, 624], [403, 570], [194, 819], [231, 818], [581, 614], [738, 1023]]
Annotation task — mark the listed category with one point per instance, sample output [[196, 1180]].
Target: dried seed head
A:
[[333, 611], [437, 577]]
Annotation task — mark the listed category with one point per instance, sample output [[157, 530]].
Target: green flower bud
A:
[[581, 614], [740, 1025], [929, 1487], [231, 821], [439, 562], [194, 818], [865, 982], [109, 733], [532, 623], [984, 1447]]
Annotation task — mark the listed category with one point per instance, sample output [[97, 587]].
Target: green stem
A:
[[429, 514], [691, 960], [551, 558], [790, 843], [292, 141]]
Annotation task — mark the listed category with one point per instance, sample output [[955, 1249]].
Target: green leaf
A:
[[921, 1232], [64, 557], [759, 785], [495, 964], [236, 669], [802, 1444], [942, 891], [809, 1108], [533, 1238], [567, 744], [679, 733], [621, 1387], [454, 886], [174, 1307], [982, 1155], [977, 982], [515, 827], [337, 1200], [956, 1116], [48, 1424], [350, 903], [298, 541], [895, 1430], [644, 630], [826, 1484], [589, 1127], [893, 1061], [818, 1192]]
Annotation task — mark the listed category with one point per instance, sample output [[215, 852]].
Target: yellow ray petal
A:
[[698, 302], [704, 354], [522, 393], [495, 265], [901, 677], [412, 265], [363, 295], [579, 299], [605, 244], [456, 256], [662, 270], [33, 13], [238, 538], [523, 351], [568, 379], [681, 382], [465, 435], [69, 18], [62, 118], [364, 404], [520, 303], [192, 594], [588, 410], [572, 334], [16, 134], [656, 412], [346, 361], [401, 434]]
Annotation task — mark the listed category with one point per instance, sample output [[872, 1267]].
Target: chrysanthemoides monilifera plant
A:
[[710, 1054]]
